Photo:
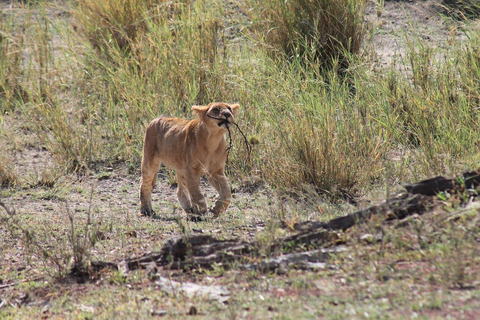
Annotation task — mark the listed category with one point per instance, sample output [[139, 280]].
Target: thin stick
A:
[[247, 144]]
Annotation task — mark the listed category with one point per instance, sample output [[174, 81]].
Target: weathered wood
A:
[[431, 187], [189, 252], [397, 207], [313, 259]]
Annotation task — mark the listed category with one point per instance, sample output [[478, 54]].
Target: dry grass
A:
[[8, 177], [324, 32], [111, 21], [462, 9]]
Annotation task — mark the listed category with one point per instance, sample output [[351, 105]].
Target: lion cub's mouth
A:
[[225, 123], [224, 118]]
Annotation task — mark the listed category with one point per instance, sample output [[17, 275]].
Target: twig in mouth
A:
[[247, 144]]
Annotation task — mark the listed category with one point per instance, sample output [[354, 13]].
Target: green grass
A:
[[89, 98]]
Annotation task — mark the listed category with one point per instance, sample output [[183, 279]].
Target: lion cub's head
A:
[[218, 114]]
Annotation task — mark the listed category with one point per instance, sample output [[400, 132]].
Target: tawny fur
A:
[[192, 148]]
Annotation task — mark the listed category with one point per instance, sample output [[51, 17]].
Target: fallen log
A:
[[313, 259], [397, 207], [416, 199], [192, 252], [431, 187]]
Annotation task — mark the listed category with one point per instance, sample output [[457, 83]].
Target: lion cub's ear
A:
[[200, 111], [235, 109]]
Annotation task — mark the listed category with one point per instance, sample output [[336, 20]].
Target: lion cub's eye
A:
[[216, 111]]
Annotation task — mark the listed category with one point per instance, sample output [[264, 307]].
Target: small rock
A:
[[85, 308], [370, 238], [193, 311], [279, 292], [367, 237], [158, 312]]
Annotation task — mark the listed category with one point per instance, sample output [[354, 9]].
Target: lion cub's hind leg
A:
[[150, 166]]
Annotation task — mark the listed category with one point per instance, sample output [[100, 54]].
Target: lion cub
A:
[[192, 148]]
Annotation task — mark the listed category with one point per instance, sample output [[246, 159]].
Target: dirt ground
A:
[[403, 19]]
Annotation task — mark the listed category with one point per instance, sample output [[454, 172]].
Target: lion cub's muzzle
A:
[[225, 118]]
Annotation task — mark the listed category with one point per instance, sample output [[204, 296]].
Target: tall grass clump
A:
[[462, 9], [328, 30], [182, 56], [11, 45], [112, 20], [313, 130]]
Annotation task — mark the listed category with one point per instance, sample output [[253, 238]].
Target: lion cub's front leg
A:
[[189, 195], [220, 183]]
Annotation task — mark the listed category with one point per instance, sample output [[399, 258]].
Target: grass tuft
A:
[[462, 9], [324, 30], [12, 40], [8, 177], [110, 21]]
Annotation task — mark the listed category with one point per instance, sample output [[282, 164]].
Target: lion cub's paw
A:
[[195, 218], [195, 215], [147, 212], [215, 213]]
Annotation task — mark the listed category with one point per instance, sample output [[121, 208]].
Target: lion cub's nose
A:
[[226, 114]]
